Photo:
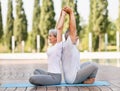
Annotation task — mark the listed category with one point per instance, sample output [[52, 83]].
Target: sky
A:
[[83, 9]]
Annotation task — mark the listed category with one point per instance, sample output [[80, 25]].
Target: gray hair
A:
[[53, 31], [67, 34]]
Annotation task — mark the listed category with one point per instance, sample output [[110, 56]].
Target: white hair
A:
[[53, 31]]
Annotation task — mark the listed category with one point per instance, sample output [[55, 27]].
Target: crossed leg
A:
[[87, 73]]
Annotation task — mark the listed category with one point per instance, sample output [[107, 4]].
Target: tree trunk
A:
[[100, 42]]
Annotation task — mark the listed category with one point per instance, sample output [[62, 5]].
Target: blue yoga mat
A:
[[12, 85]]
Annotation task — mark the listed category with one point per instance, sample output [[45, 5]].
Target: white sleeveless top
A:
[[70, 60], [54, 58]]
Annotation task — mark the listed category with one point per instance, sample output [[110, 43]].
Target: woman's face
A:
[[52, 39]]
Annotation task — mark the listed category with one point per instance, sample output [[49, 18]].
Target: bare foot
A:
[[89, 81]]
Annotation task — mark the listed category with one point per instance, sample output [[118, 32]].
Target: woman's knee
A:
[[35, 81], [31, 79]]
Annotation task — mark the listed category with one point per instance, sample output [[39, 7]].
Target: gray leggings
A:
[[41, 77], [88, 70]]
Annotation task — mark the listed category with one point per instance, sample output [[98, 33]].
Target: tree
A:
[[1, 24], [20, 25], [47, 20], [35, 23], [98, 21], [9, 25], [77, 17]]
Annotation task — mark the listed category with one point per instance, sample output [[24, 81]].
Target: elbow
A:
[[59, 28]]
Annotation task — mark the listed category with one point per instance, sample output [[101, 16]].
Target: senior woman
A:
[[53, 75]]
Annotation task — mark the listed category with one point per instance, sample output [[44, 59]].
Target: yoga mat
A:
[[22, 85]]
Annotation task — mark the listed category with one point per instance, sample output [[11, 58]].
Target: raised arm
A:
[[59, 26], [72, 23]]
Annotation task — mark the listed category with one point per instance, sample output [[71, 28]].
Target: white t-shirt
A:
[[70, 60], [54, 58]]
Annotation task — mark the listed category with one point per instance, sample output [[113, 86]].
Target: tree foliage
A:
[[20, 25], [98, 21], [35, 23], [9, 25]]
